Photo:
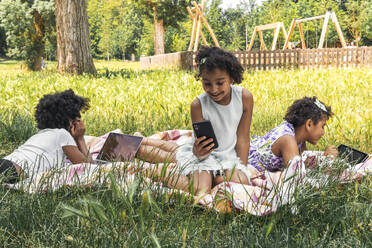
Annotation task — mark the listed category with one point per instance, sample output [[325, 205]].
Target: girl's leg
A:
[[202, 182], [160, 151], [156, 151], [236, 176], [154, 154], [162, 144], [167, 174]]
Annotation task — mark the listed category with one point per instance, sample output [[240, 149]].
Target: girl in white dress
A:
[[229, 108]]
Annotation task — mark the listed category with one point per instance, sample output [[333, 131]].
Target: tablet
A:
[[119, 147], [352, 155]]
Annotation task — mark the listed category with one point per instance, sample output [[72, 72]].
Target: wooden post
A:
[[276, 35], [293, 24], [263, 46], [252, 39], [338, 29], [194, 18], [203, 37], [200, 13], [198, 18], [197, 35], [284, 32], [303, 43], [324, 30]]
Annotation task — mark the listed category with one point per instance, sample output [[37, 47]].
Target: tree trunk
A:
[[73, 40], [38, 38], [158, 35]]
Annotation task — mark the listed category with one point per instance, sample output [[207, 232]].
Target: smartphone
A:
[[352, 155], [204, 128]]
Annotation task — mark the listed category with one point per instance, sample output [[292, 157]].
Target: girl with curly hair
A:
[[304, 122], [61, 134], [229, 108]]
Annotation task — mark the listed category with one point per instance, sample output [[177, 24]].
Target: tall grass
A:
[[148, 101]]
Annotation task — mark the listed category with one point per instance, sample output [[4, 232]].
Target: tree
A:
[[116, 28], [163, 14], [25, 23], [358, 14], [73, 40], [3, 46]]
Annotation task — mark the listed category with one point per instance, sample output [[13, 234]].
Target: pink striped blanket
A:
[[264, 195]]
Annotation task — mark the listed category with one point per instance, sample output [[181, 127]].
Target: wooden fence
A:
[[305, 58], [278, 59]]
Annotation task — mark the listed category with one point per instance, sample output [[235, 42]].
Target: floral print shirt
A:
[[260, 154]]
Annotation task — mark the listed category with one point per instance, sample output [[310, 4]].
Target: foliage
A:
[[25, 33], [146, 43], [120, 28], [115, 28], [171, 12], [106, 215], [358, 18]]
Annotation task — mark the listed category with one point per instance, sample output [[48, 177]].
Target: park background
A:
[[119, 28], [126, 97]]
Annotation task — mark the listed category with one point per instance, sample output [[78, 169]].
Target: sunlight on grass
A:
[[122, 96], [149, 101]]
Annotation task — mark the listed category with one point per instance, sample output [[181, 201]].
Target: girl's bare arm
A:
[[243, 132]]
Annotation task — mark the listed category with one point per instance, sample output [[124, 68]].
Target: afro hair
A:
[[56, 110], [211, 58]]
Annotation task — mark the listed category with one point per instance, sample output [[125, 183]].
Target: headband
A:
[[320, 105], [202, 61]]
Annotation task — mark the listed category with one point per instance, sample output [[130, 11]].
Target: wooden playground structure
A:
[[258, 29], [279, 25], [196, 14], [275, 58], [326, 17]]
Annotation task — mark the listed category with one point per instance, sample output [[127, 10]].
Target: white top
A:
[[43, 151], [225, 119]]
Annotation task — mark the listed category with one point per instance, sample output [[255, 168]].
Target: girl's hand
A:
[[332, 151], [77, 129], [201, 149]]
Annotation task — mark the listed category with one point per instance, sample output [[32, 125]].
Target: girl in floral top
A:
[[304, 122]]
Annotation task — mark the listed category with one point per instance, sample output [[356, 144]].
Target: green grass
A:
[[124, 97]]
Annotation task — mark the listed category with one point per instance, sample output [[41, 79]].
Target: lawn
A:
[[122, 96]]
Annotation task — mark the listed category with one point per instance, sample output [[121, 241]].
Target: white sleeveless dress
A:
[[225, 120]]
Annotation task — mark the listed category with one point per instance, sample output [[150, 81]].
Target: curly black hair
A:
[[56, 110], [306, 108], [211, 58]]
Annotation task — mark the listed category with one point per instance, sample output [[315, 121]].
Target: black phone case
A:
[[205, 128], [352, 155]]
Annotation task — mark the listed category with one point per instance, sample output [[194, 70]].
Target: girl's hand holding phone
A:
[[203, 147]]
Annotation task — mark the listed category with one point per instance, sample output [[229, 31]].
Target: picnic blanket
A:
[[264, 195]]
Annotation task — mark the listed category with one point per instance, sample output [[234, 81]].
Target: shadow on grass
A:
[[7, 61], [128, 73]]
